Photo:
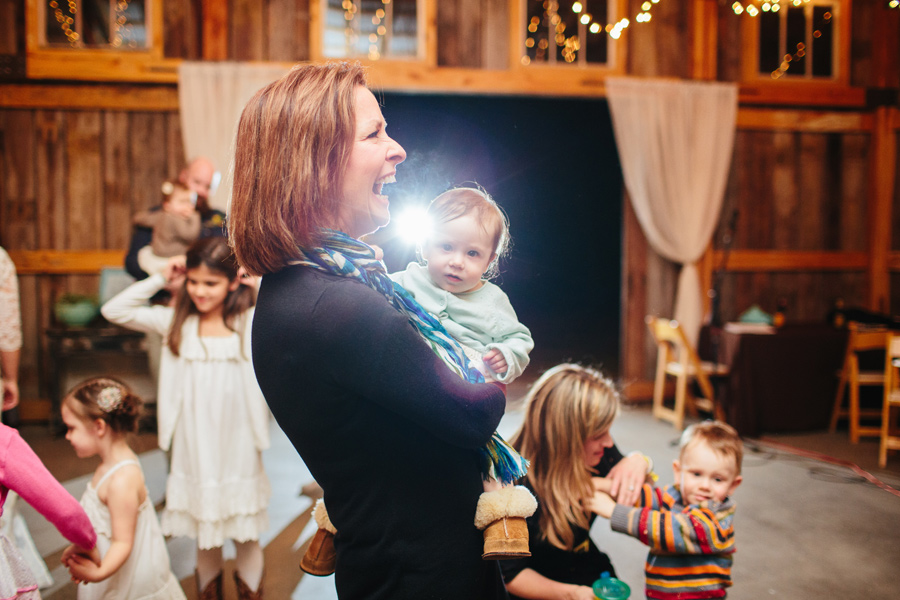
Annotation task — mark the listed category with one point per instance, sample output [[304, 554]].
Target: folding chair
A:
[[889, 432], [860, 340], [677, 358]]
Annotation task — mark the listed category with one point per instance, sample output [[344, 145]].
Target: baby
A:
[[688, 525], [175, 227], [469, 235]]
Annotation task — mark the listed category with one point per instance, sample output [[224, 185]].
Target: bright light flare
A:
[[413, 225]]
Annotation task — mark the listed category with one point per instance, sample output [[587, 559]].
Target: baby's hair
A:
[[170, 186], [460, 201], [109, 399], [720, 437], [216, 255]]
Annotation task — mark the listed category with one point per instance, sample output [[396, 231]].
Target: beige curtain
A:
[[675, 141], [212, 96]]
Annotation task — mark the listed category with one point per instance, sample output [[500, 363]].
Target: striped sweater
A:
[[690, 547]]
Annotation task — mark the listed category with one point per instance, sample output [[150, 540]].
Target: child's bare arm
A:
[[123, 499]]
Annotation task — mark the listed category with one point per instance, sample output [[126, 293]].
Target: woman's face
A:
[[374, 157], [594, 448]]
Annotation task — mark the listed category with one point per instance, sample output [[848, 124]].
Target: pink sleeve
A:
[[24, 473]]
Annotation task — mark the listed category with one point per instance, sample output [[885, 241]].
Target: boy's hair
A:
[[215, 253], [293, 142], [721, 437], [109, 399], [460, 201], [169, 187], [568, 405]]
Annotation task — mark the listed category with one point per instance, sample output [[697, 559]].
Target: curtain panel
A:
[[675, 140]]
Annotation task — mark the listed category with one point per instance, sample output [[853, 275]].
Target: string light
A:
[[570, 44]]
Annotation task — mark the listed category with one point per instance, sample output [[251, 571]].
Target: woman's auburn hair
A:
[[293, 143], [568, 405]]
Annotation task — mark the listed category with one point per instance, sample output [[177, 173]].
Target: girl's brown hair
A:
[[568, 405], [109, 399], [214, 253], [460, 201], [293, 143]]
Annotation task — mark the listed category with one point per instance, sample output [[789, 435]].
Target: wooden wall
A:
[[76, 160]]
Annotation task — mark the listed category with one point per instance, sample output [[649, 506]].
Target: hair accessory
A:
[[167, 188], [109, 399]]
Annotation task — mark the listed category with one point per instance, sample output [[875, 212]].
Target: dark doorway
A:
[[553, 167]]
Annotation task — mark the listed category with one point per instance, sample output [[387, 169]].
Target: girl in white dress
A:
[[134, 563], [210, 411]]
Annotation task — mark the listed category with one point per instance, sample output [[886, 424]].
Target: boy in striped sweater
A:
[[688, 525]]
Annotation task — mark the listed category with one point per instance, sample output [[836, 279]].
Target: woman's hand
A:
[[627, 477], [581, 592]]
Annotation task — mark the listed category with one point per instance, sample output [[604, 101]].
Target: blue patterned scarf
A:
[[345, 256]]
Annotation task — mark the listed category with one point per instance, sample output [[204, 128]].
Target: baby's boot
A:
[[501, 514], [320, 555]]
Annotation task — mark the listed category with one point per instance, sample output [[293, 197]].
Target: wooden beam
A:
[[806, 121], [792, 260], [65, 262], [882, 162], [215, 29], [704, 39], [128, 97]]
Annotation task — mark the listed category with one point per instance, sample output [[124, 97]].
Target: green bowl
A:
[[77, 314]]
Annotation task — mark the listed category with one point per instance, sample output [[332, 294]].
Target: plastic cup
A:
[[610, 588]]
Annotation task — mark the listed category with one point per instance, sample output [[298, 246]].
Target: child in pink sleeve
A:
[[23, 472]]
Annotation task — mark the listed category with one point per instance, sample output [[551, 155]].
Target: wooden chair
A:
[[890, 433], [677, 357], [859, 340]]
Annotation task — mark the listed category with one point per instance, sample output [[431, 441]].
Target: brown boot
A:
[[320, 557], [506, 538], [244, 591], [501, 514], [213, 589]]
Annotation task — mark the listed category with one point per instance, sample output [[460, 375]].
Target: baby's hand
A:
[[602, 484], [600, 503], [495, 362]]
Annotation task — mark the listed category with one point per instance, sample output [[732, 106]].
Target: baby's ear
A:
[[734, 484]]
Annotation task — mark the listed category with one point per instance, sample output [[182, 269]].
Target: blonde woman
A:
[[566, 436]]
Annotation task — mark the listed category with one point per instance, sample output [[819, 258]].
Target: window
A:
[[96, 40], [797, 40], [584, 33], [110, 24], [370, 29]]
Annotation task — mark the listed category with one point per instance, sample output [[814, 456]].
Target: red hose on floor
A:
[[834, 461]]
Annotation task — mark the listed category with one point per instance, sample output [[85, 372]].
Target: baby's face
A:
[[458, 254], [180, 203], [705, 474]]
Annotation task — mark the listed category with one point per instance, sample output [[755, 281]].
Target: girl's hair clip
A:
[[109, 399], [167, 188]]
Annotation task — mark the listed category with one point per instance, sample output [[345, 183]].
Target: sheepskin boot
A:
[[320, 555], [244, 591], [501, 514], [213, 589]]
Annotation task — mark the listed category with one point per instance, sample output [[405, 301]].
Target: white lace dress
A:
[[147, 574], [212, 415]]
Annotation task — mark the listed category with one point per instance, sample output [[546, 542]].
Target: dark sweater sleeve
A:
[[374, 352]]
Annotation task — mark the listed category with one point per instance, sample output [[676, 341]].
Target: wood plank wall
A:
[[70, 178]]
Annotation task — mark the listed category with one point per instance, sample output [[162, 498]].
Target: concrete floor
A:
[[806, 528]]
